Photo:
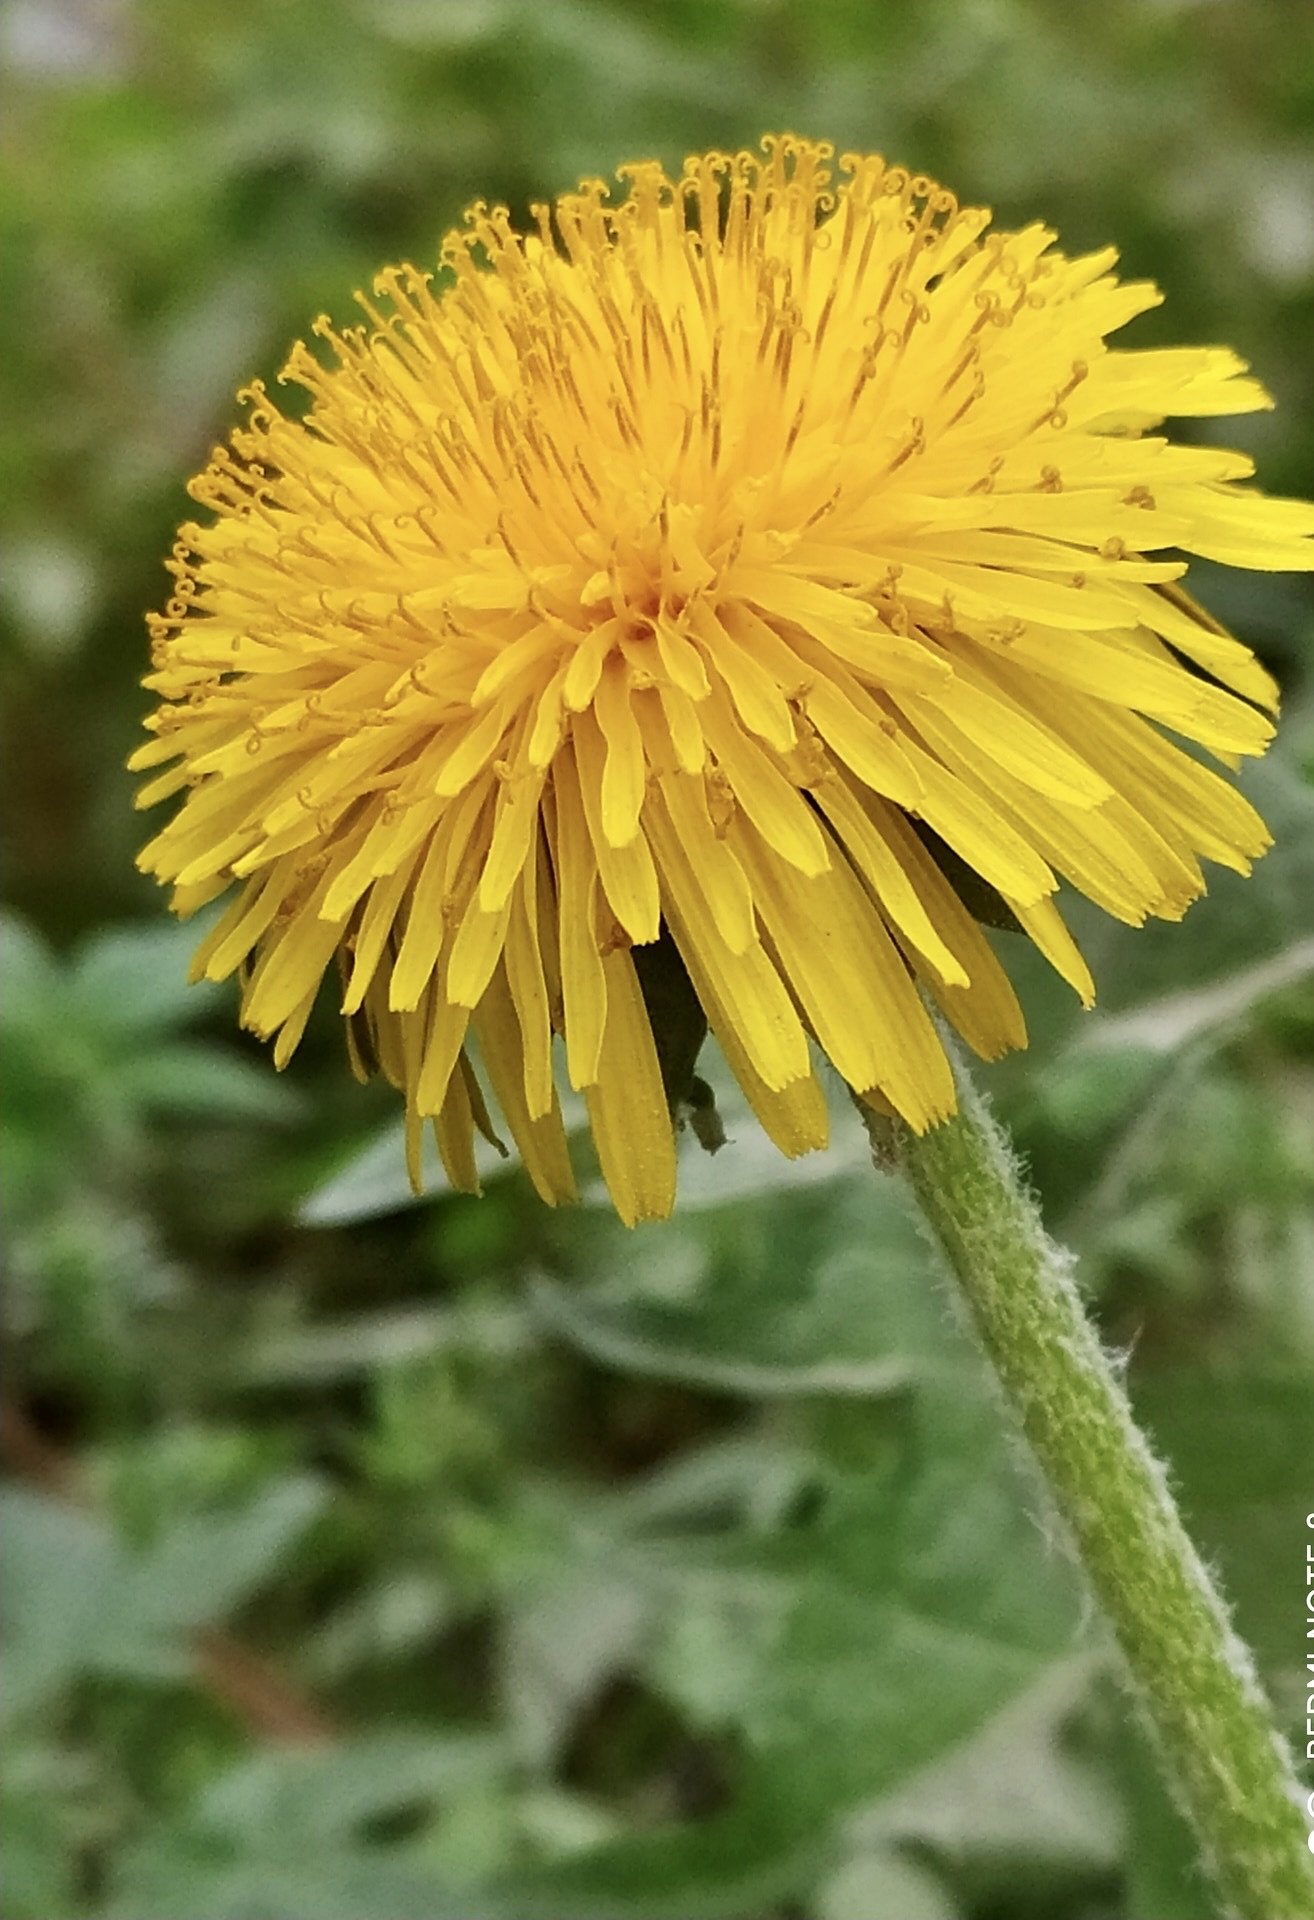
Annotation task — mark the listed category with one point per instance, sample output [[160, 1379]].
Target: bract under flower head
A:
[[723, 573]]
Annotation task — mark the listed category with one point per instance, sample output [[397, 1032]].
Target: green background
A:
[[367, 1560]]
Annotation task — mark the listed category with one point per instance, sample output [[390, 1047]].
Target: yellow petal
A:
[[529, 993], [627, 1104], [985, 1012], [291, 966], [863, 736], [542, 1138], [583, 980], [758, 699], [627, 874], [890, 881], [586, 665], [625, 772], [475, 951], [766, 796], [854, 988], [442, 889], [974, 829], [794, 1116], [377, 923], [1044, 924], [514, 824], [696, 844], [744, 983], [453, 1132], [1000, 734]]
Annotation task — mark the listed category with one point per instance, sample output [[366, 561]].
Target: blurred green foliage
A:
[[369, 1561]]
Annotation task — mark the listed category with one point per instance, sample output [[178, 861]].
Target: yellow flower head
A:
[[732, 573]]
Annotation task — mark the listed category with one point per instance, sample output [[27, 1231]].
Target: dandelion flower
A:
[[708, 598]]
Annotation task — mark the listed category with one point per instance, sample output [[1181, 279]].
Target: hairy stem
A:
[[1226, 1763]]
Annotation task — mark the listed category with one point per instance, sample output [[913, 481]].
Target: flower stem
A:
[[1226, 1763]]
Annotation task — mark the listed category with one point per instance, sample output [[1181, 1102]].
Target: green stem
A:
[[1226, 1763]]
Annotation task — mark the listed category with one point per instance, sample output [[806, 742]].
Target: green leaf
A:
[[49, 588], [759, 1856], [132, 979], [199, 1080], [642, 1339], [827, 1291], [1022, 1813], [285, 1836], [847, 1652], [576, 1626], [1165, 1880], [374, 1181], [58, 1566], [178, 1877], [926, 1599], [323, 1796], [27, 965], [77, 1600], [882, 1885], [1198, 1014], [327, 1350], [205, 1565], [1239, 1441], [39, 1863]]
